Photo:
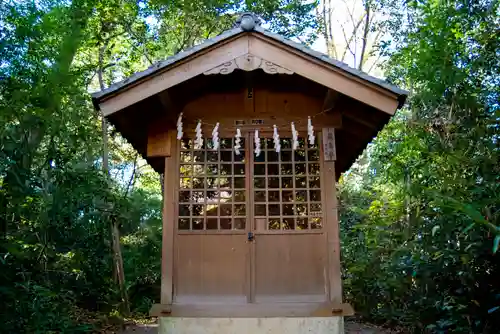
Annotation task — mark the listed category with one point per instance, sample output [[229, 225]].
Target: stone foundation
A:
[[323, 325]]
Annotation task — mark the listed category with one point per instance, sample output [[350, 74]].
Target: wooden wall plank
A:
[[211, 268], [290, 268], [272, 107], [169, 219]]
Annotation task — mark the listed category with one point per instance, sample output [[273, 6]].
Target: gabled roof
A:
[[157, 95], [248, 23]]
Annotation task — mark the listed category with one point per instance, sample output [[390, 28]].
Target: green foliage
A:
[[56, 205], [421, 219], [419, 212]]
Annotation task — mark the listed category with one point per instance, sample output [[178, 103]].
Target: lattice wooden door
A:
[[289, 248], [212, 251], [250, 228]]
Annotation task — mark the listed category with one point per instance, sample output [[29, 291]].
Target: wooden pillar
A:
[[331, 215], [170, 181]]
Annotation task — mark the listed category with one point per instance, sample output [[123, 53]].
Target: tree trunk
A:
[[326, 17], [118, 272]]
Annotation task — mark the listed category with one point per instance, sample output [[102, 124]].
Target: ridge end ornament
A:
[[247, 21], [248, 62]]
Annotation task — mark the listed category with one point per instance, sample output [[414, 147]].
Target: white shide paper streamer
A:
[[198, 142], [310, 131], [276, 138], [257, 143], [179, 127], [237, 142], [215, 137], [295, 137]]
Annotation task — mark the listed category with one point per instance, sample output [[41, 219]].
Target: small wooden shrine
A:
[[250, 131]]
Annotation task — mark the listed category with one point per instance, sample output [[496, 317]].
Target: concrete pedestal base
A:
[[323, 325]]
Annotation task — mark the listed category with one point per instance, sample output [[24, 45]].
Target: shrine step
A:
[[296, 325]]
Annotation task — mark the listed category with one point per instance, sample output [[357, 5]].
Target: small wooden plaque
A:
[[159, 143], [329, 153]]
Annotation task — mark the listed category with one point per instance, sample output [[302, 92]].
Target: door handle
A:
[[251, 237]]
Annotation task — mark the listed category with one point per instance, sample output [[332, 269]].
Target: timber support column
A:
[[170, 181], [331, 216]]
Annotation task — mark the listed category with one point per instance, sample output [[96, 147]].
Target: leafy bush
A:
[[420, 219]]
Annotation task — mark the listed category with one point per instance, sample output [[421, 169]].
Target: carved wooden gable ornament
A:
[[248, 63]]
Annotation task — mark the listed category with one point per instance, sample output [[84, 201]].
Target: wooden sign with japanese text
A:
[[329, 153]]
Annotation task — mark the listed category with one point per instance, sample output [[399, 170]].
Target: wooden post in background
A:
[[167, 251], [328, 150]]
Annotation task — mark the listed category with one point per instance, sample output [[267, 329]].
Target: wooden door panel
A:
[[290, 246], [211, 268], [290, 268]]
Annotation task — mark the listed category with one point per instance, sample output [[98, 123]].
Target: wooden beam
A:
[[166, 102], [317, 71], [358, 129], [331, 229], [252, 310], [363, 115], [162, 120], [330, 107], [359, 120], [169, 219], [331, 98], [186, 69]]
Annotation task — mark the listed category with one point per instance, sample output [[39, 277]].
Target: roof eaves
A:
[[402, 94], [343, 66], [165, 63]]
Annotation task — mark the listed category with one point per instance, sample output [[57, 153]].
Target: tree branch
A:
[[353, 35], [132, 177], [365, 34], [374, 63], [348, 47]]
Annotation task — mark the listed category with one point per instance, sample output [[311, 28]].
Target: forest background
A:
[[419, 209]]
